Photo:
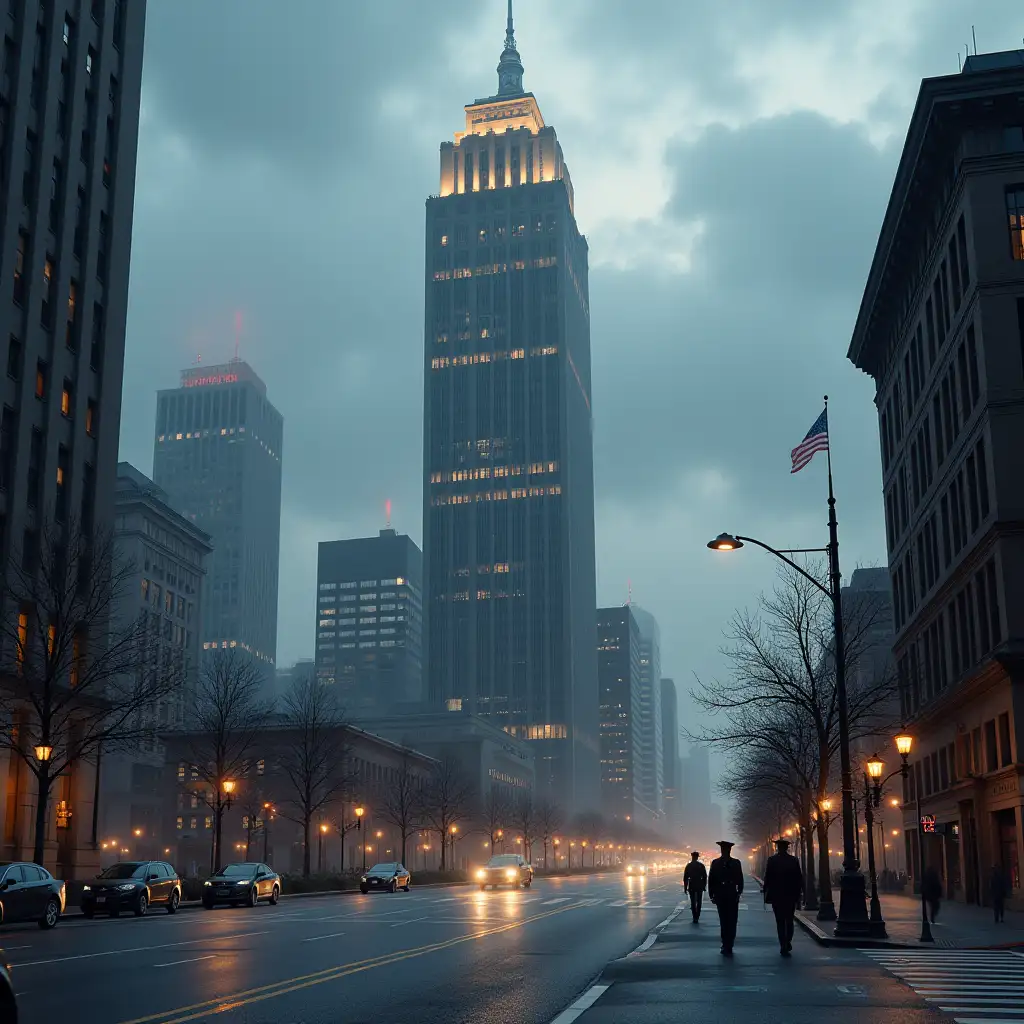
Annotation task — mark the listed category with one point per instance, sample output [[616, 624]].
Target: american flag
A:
[[815, 441]]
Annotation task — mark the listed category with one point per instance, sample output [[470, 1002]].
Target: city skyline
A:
[[632, 251]]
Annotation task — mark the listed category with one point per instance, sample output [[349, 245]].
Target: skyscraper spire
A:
[[510, 67]]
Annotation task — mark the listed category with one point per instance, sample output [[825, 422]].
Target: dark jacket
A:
[[695, 877], [783, 880], [725, 880]]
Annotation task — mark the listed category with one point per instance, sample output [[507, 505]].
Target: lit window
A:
[[1015, 212], [454, 703], [22, 645], [65, 399], [179, 822], [90, 418], [208, 822]]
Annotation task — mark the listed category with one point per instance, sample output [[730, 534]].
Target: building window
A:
[[66, 398], [22, 641], [1015, 213], [14, 358], [19, 267], [41, 374], [91, 413], [70, 333], [991, 754], [90, 60]]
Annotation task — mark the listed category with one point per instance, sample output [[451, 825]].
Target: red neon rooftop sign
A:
[[216, 378]]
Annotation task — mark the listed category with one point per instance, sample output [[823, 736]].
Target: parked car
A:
[[505, 869], [134, 885], [30, 893], [387, 877], [247, 882], [8, 1003]]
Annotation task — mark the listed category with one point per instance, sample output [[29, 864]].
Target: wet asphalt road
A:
[[433, 955]]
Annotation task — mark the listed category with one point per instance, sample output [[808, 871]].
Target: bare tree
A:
[[782, 686], [494, 814], [448, 801], [314, 760], [253, 803], [74, 678], [524, 821], [549, 819], [401, 804], [223, 724]]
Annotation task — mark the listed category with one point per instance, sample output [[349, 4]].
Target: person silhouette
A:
[[783, 887], [695, 881], [725, 886]]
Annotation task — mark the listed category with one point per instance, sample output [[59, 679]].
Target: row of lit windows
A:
[[224, 645], [515, 493], [486, 472], [459, 273], [364, 644], [443, 362], [398, 581], [195, 435], [537, 732]]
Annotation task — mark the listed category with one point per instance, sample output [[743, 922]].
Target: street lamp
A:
[[43, 752], [360, 811], [379, 836], [853, 919], [873, 776], [320, 848], [268, 811]]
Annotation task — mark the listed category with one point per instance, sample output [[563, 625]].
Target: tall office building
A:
[[670, 753], [941, 331], [217, 454], [369, 622], [508, 452], [69, 120], [618, 673], [650, 766]]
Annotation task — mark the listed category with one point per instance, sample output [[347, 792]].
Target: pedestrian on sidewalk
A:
[[695, 881], [931, 890], [725, 886], [783, 887], [998, 889]]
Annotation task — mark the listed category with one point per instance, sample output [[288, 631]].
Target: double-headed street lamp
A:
[[853, 918]]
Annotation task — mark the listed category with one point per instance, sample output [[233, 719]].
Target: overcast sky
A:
[[731, 160]]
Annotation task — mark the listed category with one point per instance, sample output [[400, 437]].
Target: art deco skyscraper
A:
[[508, 451]]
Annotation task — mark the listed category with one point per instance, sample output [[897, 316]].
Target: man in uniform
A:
[[725, 885], [695, 881], [783, 888]]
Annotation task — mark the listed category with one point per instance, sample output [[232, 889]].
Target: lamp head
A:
[[875, 767], [826, 804], [904, 744], [43, 752], [229, 786], [360, 811], [725, 542]]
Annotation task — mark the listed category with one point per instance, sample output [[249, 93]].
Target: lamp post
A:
[[876, 924], [268, 810], [454, 830], [360, 811], [853, 918], [378, 835], [224, 795], [320, 848]]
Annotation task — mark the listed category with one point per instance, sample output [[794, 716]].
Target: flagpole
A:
[[853, 916]]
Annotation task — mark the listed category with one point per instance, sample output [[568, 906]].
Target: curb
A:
[[824, 939]]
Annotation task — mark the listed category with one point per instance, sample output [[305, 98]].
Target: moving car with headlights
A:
[[29, 893], [387, 877], [505, 869], [134, 885], [8, 1003], [247, 882], [636, 868]]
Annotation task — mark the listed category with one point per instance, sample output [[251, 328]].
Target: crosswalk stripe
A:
[[988, 983], [557, 899]]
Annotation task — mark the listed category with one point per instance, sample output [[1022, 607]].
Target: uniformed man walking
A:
[[725, 886], [783, 888], [695, 881]]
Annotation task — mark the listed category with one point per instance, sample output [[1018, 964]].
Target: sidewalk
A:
[[959, 926]]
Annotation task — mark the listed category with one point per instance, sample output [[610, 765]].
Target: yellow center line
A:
[[286, 985]]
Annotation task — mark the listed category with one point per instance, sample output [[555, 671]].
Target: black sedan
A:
[[247, 882], [30, 893], [505, 869], [134, 885], [386, 877]]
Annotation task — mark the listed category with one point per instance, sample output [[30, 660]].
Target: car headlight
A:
[[126, 887], [207, 883], [510, 873], [481, 873], [363, 879], [86, 888]]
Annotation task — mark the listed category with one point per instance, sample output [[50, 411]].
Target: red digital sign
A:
[[216, 378]]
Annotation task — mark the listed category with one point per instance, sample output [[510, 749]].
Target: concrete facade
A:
[[670, 756], [508, 518], [941, 331], [650, 753], [71, 86]]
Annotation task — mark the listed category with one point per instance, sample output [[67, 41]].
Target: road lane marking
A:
[[195, 1011], [584, 1003], [191, 960], [317, 938], [412, 920], [136, 949], [557, 899]]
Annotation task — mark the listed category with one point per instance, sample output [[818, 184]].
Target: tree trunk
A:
[[811, 882], [305, 846], [444, 848], [96, 801], [217, 823], [42, 800], [404, 838], [824, 875]]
